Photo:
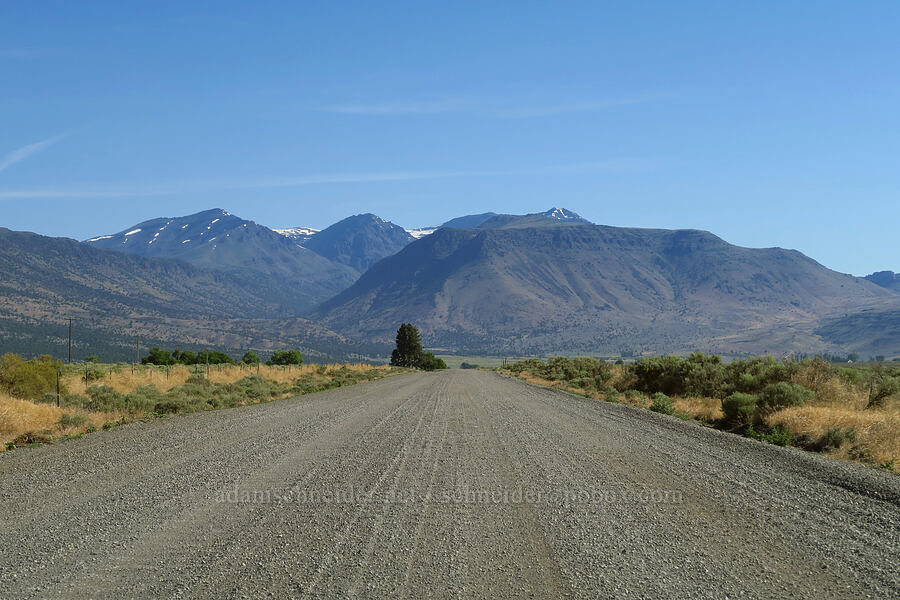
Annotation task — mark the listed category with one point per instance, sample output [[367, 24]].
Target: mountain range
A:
[[113, 297], [548, 282], [283, 270], [557, 283]]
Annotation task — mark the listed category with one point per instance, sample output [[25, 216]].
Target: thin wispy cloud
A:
[[26, 53], [187, 187], [168, 189], [400, 108], [497, 110], [24, 152], [526, 112]]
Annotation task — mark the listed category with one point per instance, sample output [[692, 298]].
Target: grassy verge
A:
[[809, 404], [114, 395]]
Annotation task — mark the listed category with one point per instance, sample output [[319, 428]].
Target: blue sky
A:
[[767, 123]]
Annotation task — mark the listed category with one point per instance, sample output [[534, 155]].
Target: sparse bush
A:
[[167, 406], [835, 437], [467, 365], [776, 396], [665, 374], [777, 435], [739, 407], [662, 404], [105, 398], [635, 397], [144, 399], [751, 376], [584, 372], [70, 420], [881, 387]]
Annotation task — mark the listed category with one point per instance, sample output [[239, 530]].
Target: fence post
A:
[[57, 387]]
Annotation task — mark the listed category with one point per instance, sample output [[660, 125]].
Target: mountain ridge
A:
[[113, 296], [216, 239], [529, 284]]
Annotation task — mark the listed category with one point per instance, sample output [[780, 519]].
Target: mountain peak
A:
[[359, 241], [564, 214]]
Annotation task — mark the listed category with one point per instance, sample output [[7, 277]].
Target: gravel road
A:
[[456, 484]]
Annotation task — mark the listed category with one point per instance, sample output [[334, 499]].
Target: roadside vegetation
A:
[[847, 411], [94, 396]]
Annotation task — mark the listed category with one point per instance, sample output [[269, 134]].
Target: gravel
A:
[[450, 484]]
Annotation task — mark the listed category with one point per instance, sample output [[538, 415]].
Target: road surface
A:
[[455, 484]]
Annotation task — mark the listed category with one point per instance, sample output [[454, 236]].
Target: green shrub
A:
[[430, 362], [70, 420], [529, 364], [28, 379], [664, 374], [167, 406], [836, 437], [776, 436], [662, 404], [105, 398], [467, 365], [198, 379], [635, 395], [739, 407], [585, 372], [753, 375], [144, 399], [777, 396], [881, 387], [49, 398]]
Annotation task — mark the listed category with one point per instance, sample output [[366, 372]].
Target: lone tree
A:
[[408, 352], [285, 357], [250, 358]]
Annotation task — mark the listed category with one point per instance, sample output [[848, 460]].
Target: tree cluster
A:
[[159, 356]]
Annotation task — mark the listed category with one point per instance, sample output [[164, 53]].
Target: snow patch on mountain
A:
[[421, 232], [298, 234]]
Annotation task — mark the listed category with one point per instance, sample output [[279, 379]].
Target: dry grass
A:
[[124, 381], [18, 417], [877, 430], [830, 390], [559, 385], [702, 409]]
